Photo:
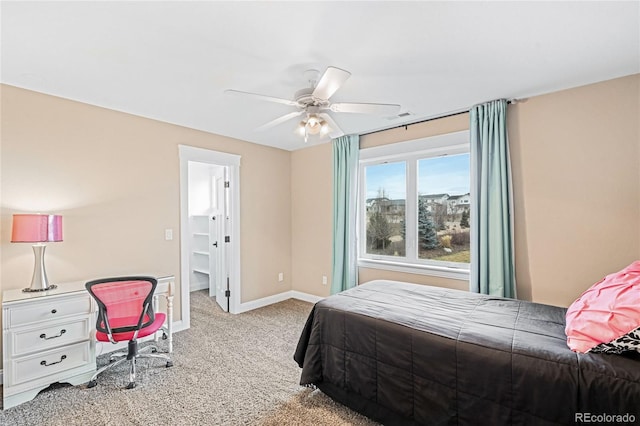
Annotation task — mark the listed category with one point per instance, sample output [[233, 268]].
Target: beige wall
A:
[[576, 187], [576, 179], [312, 218], [265, 204], [454, 123], [115, 178]]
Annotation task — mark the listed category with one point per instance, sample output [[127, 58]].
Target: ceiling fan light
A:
[[313, 120], [300, 129], [314, 125], [324, 129], [313, 129]]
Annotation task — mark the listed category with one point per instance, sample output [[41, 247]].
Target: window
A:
[[414, 206], [385, 209]]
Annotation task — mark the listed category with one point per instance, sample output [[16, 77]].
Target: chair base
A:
[[132, 354]]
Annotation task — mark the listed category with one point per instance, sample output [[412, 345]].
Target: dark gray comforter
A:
[[411, 354]]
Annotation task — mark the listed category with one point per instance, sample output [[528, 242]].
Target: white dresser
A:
[[47, 338]]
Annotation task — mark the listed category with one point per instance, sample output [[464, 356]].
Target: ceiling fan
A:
[[315, 107]]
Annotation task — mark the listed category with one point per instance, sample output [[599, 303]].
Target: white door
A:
[[217, 232]]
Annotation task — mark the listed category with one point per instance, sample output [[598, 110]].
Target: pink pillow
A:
[[608, 310]]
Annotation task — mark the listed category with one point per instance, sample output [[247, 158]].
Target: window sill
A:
[[411, 268]]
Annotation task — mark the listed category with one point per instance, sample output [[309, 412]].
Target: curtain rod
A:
[[437, 117]]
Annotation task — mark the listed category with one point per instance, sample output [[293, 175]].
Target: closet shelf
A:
[[201, 271], [201, 253]]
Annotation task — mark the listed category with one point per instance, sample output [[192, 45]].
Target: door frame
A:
[[232, 161]]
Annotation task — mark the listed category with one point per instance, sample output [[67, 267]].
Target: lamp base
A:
[[39, 281], [32, 290]]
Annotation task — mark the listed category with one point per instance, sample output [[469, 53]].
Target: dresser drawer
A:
[[49, 363], [48, 310], [48, 335]]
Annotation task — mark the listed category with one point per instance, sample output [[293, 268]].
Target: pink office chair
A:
[[125, 313]]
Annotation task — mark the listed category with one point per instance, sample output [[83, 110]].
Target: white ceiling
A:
[[172, 61]]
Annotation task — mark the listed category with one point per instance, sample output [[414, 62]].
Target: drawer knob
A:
[[44, 336], [53, 311], [62, 358]]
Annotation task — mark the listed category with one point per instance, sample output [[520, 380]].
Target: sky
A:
[[437, 175]]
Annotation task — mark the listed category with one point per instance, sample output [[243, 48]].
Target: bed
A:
[[406, 354]]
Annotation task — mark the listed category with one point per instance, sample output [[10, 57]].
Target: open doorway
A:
[[209, 227]]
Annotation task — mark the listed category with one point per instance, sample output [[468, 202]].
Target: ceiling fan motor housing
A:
[[305, 98]]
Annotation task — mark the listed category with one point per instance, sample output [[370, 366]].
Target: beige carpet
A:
[[228, 370]]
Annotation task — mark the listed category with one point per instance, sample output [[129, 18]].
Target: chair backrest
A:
[[124, 303]]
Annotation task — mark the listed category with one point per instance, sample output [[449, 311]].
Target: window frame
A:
[[410, 152]]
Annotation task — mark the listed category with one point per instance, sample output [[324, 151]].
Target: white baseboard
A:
[[276, 298], [198, 286], [1, 376], [178, 326], [305, 297], [265, 301]]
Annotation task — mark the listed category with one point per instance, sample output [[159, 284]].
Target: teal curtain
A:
[[492, 254], [345, 185]]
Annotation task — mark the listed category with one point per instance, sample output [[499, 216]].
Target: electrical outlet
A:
[[324, 280], [281, 276]]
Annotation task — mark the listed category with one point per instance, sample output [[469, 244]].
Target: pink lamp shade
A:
[[36, 228]]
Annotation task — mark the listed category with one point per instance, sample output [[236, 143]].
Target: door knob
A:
[[215, 244]]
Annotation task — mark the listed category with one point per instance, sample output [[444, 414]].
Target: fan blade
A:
[[330, 81], [336, 131], [261, 97], [279, 120], [376, 109]]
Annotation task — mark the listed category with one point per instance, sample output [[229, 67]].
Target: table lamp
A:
[[39, 229]]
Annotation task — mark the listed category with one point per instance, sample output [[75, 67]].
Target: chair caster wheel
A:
[[92, 383], [154, 350], [164, 336], [169, 364], [131, 385]]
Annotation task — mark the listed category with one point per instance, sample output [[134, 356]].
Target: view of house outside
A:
[[443, 201]]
